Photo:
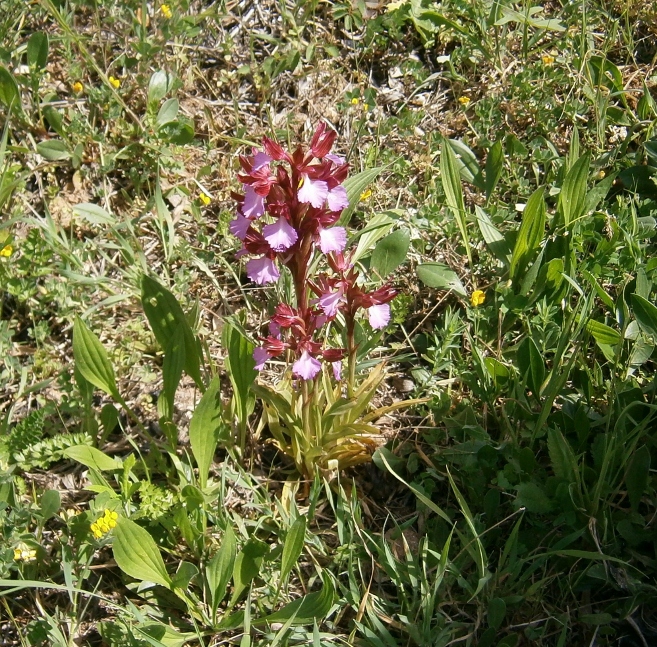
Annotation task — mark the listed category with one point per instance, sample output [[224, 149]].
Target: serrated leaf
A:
[[92, 458], [390, 252], [137, 554], [602, 333], [355, 186], [437, 275], [91, 359], [37, 50], [572, 198], [220, 569], [293, 546], [53, 150], [530, 234], [637, 475], [646, 315], [533, 498], [93, 214], [205, 429]]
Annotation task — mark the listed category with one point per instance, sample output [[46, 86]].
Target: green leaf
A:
[[37, 50], [390, 252], [180, 131], [168, 112], [93, 214], [164, 314], [9, 94], [91, 359], [532, 497], [247, 566], [449, 171], [492, 236], [92, 458], [572, 198], [377, 227], [240, 367], [293, 546], [564, 463], [468, 164], [494, 167], [137, 554], [205, 429], [530, 235], [646, 315], [53, 150], [158, 86], [637, 475], [602, 333], [220, 569], [437, 275], [51, 501], [172, 369], [355, 186], [496, 612]]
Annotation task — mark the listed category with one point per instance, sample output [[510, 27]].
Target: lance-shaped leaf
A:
[[91, 359], [355, 186], [451, 178], [92, 458], [172, 368], [240, 367], [646, 314], [494, 167], [530, 235], [293, 547], [137, 554], [220, 569], [572, 198]]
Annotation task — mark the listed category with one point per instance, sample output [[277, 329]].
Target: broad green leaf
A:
[[564, 463], [247, 566], [646, 314], [51, 501], [390, 252], [437, 275], [92, 458], [355, 186], [449, 172], [179, 131], [573, 151], [172, 369], [293, 546], [93, 214], [492, 236], [37, 50], [168, 112], [137, 554], [602, 333], [53, 150], [240, 367], [598, 193], [158, 86], [494, 167], [496, 612], [572, 199], [164, 314], [530, 235], [532, 497], [91, 359], [205, 428], [467, 163], [220, 568], [9, 95], [377, 227], [161, 635], [184, 575], [637, 475]]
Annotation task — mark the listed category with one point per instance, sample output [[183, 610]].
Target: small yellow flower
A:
[[104, 524], [547, 59], [465, 101], [205, 199], [601, 175], [77, 87], [366, 195], [114, 82], [165, 10], [355, 101], [7, 251], [477, 298], [366, 107], [24, 554]]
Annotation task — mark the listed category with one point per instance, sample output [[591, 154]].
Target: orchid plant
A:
[[287, 218]]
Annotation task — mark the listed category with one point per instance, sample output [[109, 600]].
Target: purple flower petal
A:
[[260, 159], [239, 226], [330, 302], [254, 204], [313, 191], [306, 366], [262, 270], [337, 370], [337, 199], [280, 235], [338, 160], [274, 330], [332, 240], [260, 355], [379, 316]]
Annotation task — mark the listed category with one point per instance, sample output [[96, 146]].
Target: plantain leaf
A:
[[572, 199], [564, 463], [240, 367], [91, 359], [646, 315], [449, 171], [390, 252], [9, 93], [220, 569], [602, 333], [437, 275], [293, 546], [172, 369], [247, 566], [494, 167], [137, 554], [530, 235], [37, 50], [92, 458]]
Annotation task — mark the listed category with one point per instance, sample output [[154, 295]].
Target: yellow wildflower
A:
[[465, 101], [114, 82], [104, 524], [7, 251], [165, 10], [601, 175], [477, 298], [77, 87], [547, 59], [355, 101], [365, 195], [366, 107], [205, 199], [24, 554]]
